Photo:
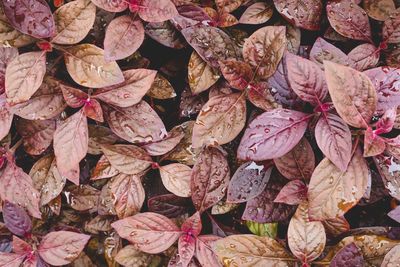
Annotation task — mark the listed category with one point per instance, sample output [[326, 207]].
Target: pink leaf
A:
[[192, 225], [111, 5], [322, 50], [186, 249], [373, 144], [11, 259], [7, 54], [6, 117], [75, 98], [293, 193], [364, 56], [92, 109], [154, 10], [204, 251], [391, 30], [305, 14]]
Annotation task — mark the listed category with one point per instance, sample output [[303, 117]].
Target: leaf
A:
[[333, 137], [124, 35], [71, 144], [99, 135], [127, 123], [111, 5], [16, 219], [47, 179], [186, 250], [32, 17], [22, 248], [388, 167], [166, 34], [190, 15], [11, 259], [349, 255], [191, 104], [131, 256], [373, 144], [74, 21], [260, 96], [184, 152], [82, 197], [264, 49], [379, 10], [45, 104], [251, 250], [272, 134], [303, 14], [390, 31], [62, 247], [16, 187], [322, 50], [257, 13], [137, 83], [249, 180], [128, 159], [165, 145], [36, 135], [223, 207], [7, 54], [168, 205], [155, 10], [262, 208], [176, 178], [209, 179], [87, 67], [200, 74], [150, 232], [263, 229], [352, 93], [237, 73], [10, 36], [128, 193], [331, 192], [293, 193], [220, 120], [228, 6], [349, 19], [103, 169], [336, 226], [24, 75], [364, 56], [204, 252], [6, 117], [306, 79], [395, 214], [222, 46], [161, 88], [306, 239], [106, 205]]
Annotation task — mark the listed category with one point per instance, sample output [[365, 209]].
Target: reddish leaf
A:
[[154, 10], [200, 74], [16, 219], [112, 5], [31, 17], [390, 31], [22, 248], [306, 79], [71, 144], [168, 205], [6, 117], [204, 251], [210, 177], [165, 145], [257, 13], [249, 180], [7, 54], [272, 134], [82, 197], [62, 247], [303, 14], [176, 178], [92, 109], [124, 35], [191, 104], [75, 98], [260, 96], [103, 169], [352, 93], [237, 73], [333, 137], [186, 250], [373, 144], [166, 34], [150, 232], [228, 6], [322, 50], [190, 15], [364, 56], [11, 259], [386, 122], [349, 255], [293, 193], [349, 19]]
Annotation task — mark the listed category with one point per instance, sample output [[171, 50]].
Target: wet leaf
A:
[[16, 219], [390, 31], [379, 10], [204, 250], [322, 50], [168, 205], [184, 152], [7, 54], [293, 193], [176, 178], [364, 56], [154, 10], [165, 34], [103, 169], [6, 117], [99, 135], [388, 167], [111, 5], [200, 74], [82, 197], [257, 13], [237, 73], [161, 88], [131, 256], [373, 144], [165, 145], [303, 14]]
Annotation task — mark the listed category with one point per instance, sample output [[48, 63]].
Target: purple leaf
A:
[[349, 255], [169, 205], [395, 214], [16, 219]]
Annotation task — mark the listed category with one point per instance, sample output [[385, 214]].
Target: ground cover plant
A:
[[199, 133]]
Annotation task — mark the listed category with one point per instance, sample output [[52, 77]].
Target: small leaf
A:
[[24, 75], [379, 9], [263, 229], [184, 152], [6, 117], [111, 5], [161, 88], [349, 19], [220, 120], [74, 21], [209, 180], [166, 34], [352, 93], [364, 56], [124, 35], [99, 135], [62, 247], [272, 134], [16, 219], [373, 144], [31, 17], [150, 232], [293, 193], [176, 178], [186, 250], [303, 14], [169, 205], [390, 31], [131, 256], [165, 145], [200, 75], [322, 50], [390, 173], [103, 169], [257, 13], [237, 73], [75, 98], [155, 10], [264, 49], [349, 255], [87, 67], [336, 226]]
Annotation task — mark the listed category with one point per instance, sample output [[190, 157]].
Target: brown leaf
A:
[[322, 50], [10, 36], [155, 10], [305, 14], [239, 74], [379, 9], [200, 75], [166, 34], [176, 178], [228, 6], [336, 226], [103, 169], [257, 13], [161, 88], [390, 31], [364, 56], [99, 135], [165, 145], [131, 256], [82, 197], [184, 152]]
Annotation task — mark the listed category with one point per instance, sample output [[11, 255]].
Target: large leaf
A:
[[87, 66], [272, 134], [264, 49], [7, 54], [221, 47], [149, 232], [176, 178], [298, 162], [210, 177], [306, 239], [306, 79], [251, 250], [128, 123], [74, 21], [24, 75], [31, 17], [249, 180], [349, 19], [220, 120], [349, 255], [71, 144], [16, 187], [204, 251], [128, 159], [124, 35], [333, 137], [154, 10], [137, 83], [112, 5], [322, 50], [352, 93], [391, 31], [304, 14], [16, 219], [257, 13], [200, 74], [6, 117], [364, 56], [379, 9], [128, 193], [331, 192], [62, 247]]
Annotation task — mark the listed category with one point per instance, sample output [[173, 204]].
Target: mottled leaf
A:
[[322, 50], [16, 219], [349, 255], [305, 14], [238, 74], [390, 31], [165, 34], [379, 9], [364, 56], [154, 10], [111, 5]]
